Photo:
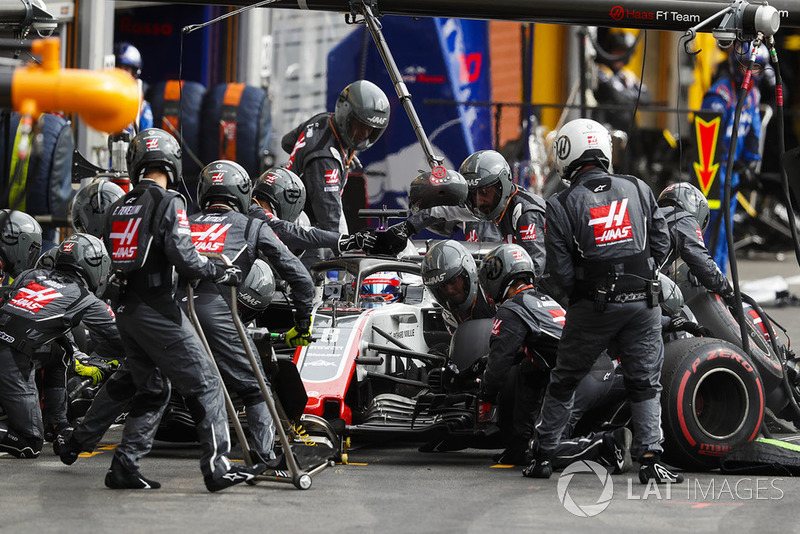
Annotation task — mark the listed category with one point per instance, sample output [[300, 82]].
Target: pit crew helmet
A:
[[283, 191], [225, 181], [487, 168], [380, 288], [581, 142], [128, 57], [255, 293], [671, 293], [688, 198], [85, 255], [90, 204], [502, 266], [20, 241], [361, 102], [739, 59], [447, 263], [151, 148], [438, 187]]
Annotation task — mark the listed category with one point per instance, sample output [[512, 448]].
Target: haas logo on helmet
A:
[[125, 239], [209, 237], [611, 223], [152, 144], [217, 177], [562, 147]]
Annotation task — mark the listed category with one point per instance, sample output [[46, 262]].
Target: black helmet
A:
[[20, 241], [361, 104], [154, 147], [283, 191], [226, 181], [502, 266], [86, 255], [487, 168], [446, 265], [128, 57], [48, 259], [438, 187], [255, 293], [89, 206], [688, 198]]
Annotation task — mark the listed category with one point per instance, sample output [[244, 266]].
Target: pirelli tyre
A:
[[713, 400], [711, 312]]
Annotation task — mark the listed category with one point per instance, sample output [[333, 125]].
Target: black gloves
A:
[[747, 174], [729, 296], [394, 239], [362, 240], [682, 323], [229, 275]]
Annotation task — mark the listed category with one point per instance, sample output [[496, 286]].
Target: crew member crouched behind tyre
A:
[[605, 238], [148, 235], [525, 333], [224, 193], [44, 305], [686, 211]]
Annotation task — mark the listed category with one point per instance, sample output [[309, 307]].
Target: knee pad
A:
[[640, 390], [251, 397], [150, 403], [196, 408], [563, 389], [18, 446], [121, 389]]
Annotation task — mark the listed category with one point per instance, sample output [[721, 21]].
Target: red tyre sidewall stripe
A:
[[760, 410], [681, 419]]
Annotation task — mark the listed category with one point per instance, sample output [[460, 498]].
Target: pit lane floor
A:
[[396, 489]]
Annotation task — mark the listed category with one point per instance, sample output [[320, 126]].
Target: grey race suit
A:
[[525, 333], [686, 243], [159, 339], [242, 238], [317, 157], [522, 223], [293, 235], [42, 306], [604, 224]]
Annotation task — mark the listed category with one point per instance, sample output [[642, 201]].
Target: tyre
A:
[[713, 400], [712, 313], [176, 109]]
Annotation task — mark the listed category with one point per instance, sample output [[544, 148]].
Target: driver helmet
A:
[[489, 180], [90, 204], [581, 142], [20, 241], [502, 266], [449, 271], [361, 115], [128, 57], [85, 255], [224, 181], [380, 288], [688, 198], [154, 147], [283, 191]]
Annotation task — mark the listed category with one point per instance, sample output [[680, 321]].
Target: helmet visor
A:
[[484, 200], [453, 292], [361, 134]]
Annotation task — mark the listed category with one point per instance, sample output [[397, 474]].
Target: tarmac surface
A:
[[395, 488]]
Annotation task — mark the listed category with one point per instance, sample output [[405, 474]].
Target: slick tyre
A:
[[713, 400], [712, 313]]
